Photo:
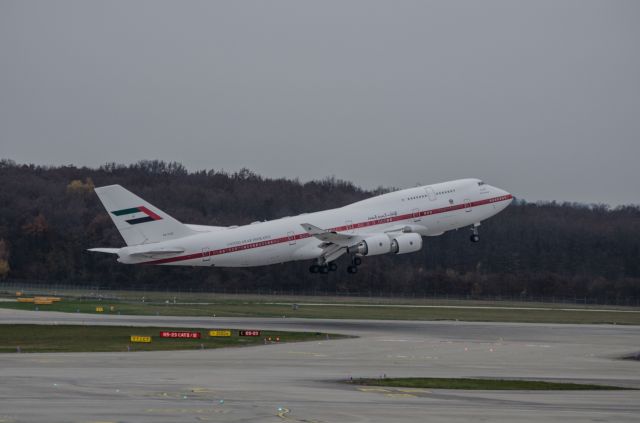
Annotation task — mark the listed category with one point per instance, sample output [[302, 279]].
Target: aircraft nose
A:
[[502, 193]]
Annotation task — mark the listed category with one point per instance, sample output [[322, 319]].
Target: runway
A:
[[300, 382]]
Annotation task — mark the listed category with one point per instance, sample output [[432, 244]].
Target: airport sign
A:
[[249, 333], [137, 338], [219, 333], [181, 335]]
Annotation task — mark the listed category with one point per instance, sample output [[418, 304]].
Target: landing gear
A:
[[355, 262], [323, 268], [474, 233]]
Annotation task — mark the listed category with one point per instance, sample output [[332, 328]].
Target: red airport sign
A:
[[182, 335], [249, 332]]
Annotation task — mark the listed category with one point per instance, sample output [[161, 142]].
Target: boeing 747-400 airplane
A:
[[392, 223]]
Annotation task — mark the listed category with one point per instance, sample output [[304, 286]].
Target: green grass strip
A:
[[480, 384], [258, 309], [77, 338]]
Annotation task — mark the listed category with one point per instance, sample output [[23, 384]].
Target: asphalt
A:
[[303, 382]]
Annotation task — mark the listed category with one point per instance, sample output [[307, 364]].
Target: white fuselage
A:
[[428, 210]]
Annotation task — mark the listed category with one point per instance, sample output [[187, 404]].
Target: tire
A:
[[357, 261], [324, 269], [474, 238], [352, 269], [314, 268], [333, 266]]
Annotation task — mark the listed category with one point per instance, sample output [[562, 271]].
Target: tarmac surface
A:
[[302, 382]]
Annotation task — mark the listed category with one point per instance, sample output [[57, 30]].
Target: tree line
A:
[[49, 216]]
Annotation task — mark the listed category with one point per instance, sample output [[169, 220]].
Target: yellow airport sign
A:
[[137, 338], [219, 333], [25, 300], [50, 299], [99, 309]]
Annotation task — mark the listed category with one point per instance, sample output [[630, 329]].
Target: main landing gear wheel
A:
[[324, 269], [352, 269], [474, 238], [314, 268], [357, 261], [333, 266]]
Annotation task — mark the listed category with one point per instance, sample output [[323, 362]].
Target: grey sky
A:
[[541, 98]]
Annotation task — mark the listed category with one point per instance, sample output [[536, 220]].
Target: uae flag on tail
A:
[[137, 215]]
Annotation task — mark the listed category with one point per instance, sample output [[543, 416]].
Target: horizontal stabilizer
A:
[[157, 252], [105, 250]]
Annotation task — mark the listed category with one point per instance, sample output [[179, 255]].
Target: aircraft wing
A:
[[332, 237], [334, 244]]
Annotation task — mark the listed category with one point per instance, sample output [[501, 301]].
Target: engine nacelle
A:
[[373, 246], [406, 243]]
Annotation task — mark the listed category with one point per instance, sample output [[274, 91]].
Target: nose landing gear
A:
[[474, 233]]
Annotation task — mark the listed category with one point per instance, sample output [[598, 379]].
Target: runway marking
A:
[[373, 390], [414, 390], [307, 353], [392, 395], [282, 413], [201, 390], [185, 410]]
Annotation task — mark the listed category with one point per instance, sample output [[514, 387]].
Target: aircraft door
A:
[[348, 226], [206, 254], [292, 238], [415, 213], [467, 205]]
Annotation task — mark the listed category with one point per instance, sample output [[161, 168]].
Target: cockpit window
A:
[[480, 183]]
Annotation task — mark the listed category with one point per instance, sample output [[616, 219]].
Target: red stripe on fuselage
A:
[[304, 235]]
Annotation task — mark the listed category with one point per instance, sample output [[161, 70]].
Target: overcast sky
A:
[[541, 98]]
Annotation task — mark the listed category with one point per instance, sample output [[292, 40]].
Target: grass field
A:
[[483, 384], [75, 338], [496, 312]]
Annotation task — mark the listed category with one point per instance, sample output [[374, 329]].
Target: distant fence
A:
[[96, 290]]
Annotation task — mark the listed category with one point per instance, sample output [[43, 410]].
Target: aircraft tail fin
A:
[[138, 221]]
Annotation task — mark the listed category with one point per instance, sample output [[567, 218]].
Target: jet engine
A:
[[372, 246], [406, 243]]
